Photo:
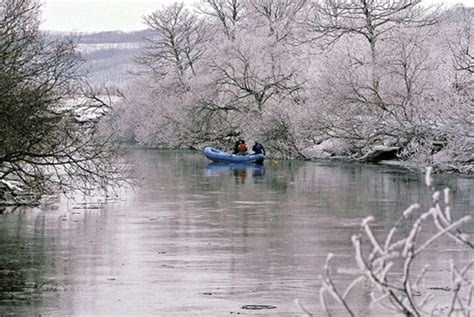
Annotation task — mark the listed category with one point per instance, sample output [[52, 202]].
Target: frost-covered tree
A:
[[248, 84], [388, 81], [243, 76], [279, 15], [372, 21], [331, 20], [178, 43], [226, 13], [462, 42]]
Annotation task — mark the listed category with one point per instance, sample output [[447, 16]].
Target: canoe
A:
[[216, 155]]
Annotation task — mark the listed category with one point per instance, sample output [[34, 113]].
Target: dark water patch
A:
[[258, 307], [440, 288]]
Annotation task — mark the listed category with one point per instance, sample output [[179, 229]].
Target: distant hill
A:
[[109, 55]]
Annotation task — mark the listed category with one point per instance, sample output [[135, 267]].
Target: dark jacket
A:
[[258, 148]]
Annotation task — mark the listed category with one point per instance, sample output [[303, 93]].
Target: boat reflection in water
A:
[[239, 170]]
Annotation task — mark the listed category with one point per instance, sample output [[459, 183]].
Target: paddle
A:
[[272, 160]]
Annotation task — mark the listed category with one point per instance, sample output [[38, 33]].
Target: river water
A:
[[194, 238]]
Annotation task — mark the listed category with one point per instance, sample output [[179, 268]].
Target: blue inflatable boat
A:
[[216, 155]]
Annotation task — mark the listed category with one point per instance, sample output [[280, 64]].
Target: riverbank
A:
[[441, 161]]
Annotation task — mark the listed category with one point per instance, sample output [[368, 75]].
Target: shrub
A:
[[389, 265]]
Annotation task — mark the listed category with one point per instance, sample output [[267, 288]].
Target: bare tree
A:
[[280, 15], [243, 82], [50, 131], [462, 43], [179, 42], [330, 20], [227, 12]]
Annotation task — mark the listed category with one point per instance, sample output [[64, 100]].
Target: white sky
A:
[[109, 15], [99, 15]]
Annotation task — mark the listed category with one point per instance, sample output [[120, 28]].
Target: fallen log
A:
[[379, 153]]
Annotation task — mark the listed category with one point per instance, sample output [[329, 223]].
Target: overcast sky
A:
[[108, 15]]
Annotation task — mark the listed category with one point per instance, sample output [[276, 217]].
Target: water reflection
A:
[[240, 171], [204, 239]]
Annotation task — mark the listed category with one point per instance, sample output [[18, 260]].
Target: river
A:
[[193, 238]]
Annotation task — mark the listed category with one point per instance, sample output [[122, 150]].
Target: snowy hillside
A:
[[109, 56]]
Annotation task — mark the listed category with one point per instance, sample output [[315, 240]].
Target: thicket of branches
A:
[[49, 117], [390, 264], [299, 73]]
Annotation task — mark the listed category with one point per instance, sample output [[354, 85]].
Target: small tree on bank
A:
[[48, 121]]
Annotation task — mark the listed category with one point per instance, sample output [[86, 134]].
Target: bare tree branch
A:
[[179, 41], [44, 145]]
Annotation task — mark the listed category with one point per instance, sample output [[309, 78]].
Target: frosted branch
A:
[[428, 177], [441, 233]]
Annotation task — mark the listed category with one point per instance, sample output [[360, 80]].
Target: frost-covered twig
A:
[[328, 285], [300, 306], [398, 291], [404, 216], [442, 232]]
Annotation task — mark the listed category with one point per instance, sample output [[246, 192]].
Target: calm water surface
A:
[[204, 239]]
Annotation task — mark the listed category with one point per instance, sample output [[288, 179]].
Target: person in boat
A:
[[242, 148], [258, 148], [235, 150]]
